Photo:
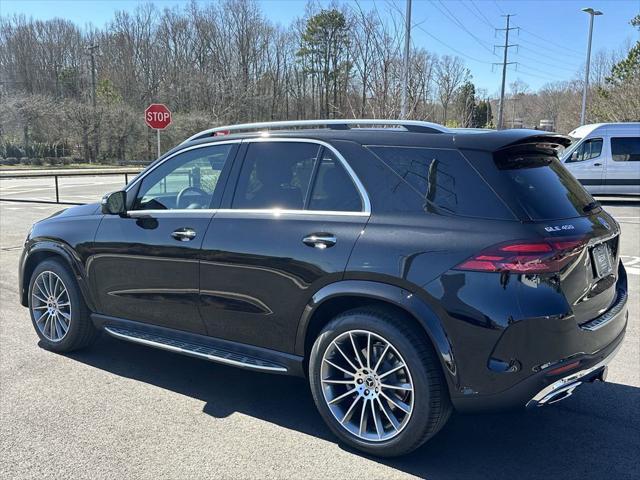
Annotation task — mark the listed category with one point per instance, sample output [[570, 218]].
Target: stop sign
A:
[[157, 116]]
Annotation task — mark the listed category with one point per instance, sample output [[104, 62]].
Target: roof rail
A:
[[334, 124]]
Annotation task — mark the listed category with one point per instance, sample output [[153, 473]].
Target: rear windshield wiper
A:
[[591, 206]]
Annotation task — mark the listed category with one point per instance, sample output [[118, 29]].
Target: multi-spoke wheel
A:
[[367, 385], [377, 382], [58, 311], [51, 306]]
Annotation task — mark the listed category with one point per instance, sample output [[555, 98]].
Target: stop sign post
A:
[[157, 116]]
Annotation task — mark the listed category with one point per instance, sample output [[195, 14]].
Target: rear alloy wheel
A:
[[372, 395], [377, 382]]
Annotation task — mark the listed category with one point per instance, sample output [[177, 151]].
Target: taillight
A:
[[221, 133], [545, 256]]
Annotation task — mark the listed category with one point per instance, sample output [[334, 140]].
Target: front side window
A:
[[587, 150], [625, 149], [276, 175], [187, 180]]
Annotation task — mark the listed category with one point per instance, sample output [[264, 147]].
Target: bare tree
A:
[[450, 74]]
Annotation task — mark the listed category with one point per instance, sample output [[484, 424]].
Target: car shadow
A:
[[593, 434]]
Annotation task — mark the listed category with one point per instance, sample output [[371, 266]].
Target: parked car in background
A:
[[605, 157], [405, 272]]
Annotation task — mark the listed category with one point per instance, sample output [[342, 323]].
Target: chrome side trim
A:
[[187, 212], [204, 212], [366, 203], [276, 212], [345, 123], [193, 353]]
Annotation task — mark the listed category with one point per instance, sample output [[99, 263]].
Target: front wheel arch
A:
[[37, 253]]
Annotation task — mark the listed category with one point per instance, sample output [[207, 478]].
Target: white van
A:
[[605, 157]]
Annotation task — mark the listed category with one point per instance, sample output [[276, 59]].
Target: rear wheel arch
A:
[[339, 297]]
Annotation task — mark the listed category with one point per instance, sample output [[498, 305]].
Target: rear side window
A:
[[446, 181], [543, 187], [625, 149], [334, 190], [587, 150], [275, 175]]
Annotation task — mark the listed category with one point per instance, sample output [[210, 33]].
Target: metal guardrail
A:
[[56, 175]]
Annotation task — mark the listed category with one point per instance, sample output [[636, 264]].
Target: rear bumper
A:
[[563, 388], [542, 388]]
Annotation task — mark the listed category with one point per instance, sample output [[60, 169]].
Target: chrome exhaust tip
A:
[[559, 395], [564, 387]]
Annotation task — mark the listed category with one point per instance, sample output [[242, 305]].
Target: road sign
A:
[[157, 116]]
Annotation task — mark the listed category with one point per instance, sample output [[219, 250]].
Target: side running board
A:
[[213, 354]]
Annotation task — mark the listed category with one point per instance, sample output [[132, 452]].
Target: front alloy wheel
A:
[[51, 306], [58, 311]]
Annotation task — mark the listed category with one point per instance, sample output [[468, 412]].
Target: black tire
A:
[[431, 403], [81, 331]]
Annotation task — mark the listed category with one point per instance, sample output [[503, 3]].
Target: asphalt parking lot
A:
[[121, 410]]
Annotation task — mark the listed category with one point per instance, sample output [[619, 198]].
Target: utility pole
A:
[[592, 13], [488, 116], [92, 51], [405, 72], [504, 67]]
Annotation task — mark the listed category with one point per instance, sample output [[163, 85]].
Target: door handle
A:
[[320, 240], [184, 234], [597, 164]]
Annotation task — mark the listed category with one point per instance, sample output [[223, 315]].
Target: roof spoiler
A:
[[550, 140], [546, 143]]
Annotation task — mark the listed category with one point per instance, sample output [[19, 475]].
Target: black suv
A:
[[405, 268]]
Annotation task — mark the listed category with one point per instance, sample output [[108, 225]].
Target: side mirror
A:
[[115, 203]]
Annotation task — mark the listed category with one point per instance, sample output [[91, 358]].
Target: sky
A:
[[552, 39]]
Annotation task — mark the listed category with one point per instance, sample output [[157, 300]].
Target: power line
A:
[[499, 7], [486, 20], [545, 63], [547, 58], [418, 25], [548, 47], [528, 32], [462, 54], [528, 67], [550, 55], [451, 17], [541, 77], [480, 17]]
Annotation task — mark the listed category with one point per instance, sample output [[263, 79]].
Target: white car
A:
[[605, 157]]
